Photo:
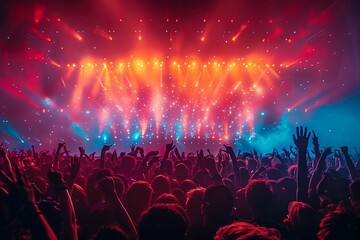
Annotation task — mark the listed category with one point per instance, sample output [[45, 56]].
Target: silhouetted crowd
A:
[[304, 192]]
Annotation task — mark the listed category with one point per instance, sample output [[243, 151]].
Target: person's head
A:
[[333, 188], [339, 225], [138, 198], [230, 184], [244, 230], [242, 209], [160, 184], [101, 173], [273, 174], [187, 185], [258, 197], [217, 205], [202, 178], [251, 164], [119, 186], [287, 185], [162, 222], [265, 161], [125, 181], [181, 172], [128, 164], [245, 176], [110, 233], [303, 219], [193, 205], [167, 198], [284, 192], [180, 196]]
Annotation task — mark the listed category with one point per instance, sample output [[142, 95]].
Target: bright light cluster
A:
[[154, 98], [205, 72]]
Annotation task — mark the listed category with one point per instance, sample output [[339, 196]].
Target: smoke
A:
[[278, 136]]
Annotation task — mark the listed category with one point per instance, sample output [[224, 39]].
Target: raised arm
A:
[[142, 166], [67, 152], [74, 171], [278, 156], [349, 164], [21, 197], [103, 155], [209, 163], [83, 154], [287, 155], [7, 162], [141, 151], [320, 167], [237, 175], [301, 140], [169, 148], [315, 142], [57, 156], [292, 151], [67, 212], [177, 153], [113, 203]]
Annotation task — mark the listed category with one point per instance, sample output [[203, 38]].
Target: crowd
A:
[[305, 192]]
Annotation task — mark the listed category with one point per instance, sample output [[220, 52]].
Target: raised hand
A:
[[177, 153], [301, 140], [57, 156], [229, 150], [315, 139], [153, 160], [349, 163], [82, 151], [276, 153], [255, 153], [140, 150], [286, 152], [20, 191], [74, 167], [21, 200], [337, 153], [327, 151], [132, 148], [151, 154], [61, 145], [292, 150], [170, 146], [7, 162], [2, 151], [66, 151], [103, 153], [106, 147], [201, 154], [114, 204], [56, 179], [344, 149]]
